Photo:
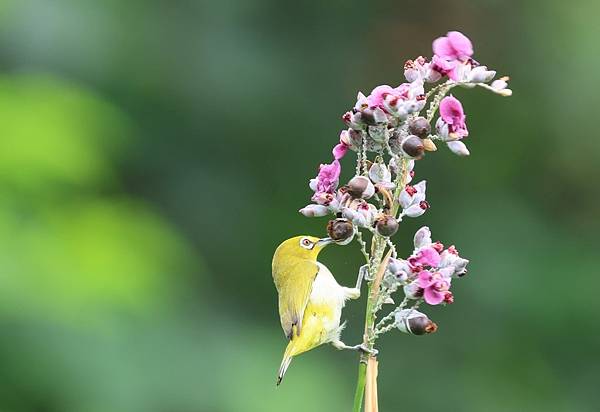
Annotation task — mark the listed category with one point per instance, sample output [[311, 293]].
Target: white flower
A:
[[453, 263], [360, 213], [480, 74], [412, 200], [413, 290], [379, 174], [314, 210]]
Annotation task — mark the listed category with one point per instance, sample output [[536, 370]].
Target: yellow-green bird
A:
[[310, 299]]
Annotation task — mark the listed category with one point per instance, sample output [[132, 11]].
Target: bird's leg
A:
[[338, 344], [354, 293], [361, 276]]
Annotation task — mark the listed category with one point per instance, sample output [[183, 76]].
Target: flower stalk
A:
[[388, 124]]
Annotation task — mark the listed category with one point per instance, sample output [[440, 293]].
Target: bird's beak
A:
[[324, 241]]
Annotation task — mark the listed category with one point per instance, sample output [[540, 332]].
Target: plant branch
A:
[[368, 362]]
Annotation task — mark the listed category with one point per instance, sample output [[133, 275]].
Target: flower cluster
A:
[[388, 121], [428, 272], [390, 129]]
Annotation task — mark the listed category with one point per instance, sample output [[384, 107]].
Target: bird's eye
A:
[[306, 243]]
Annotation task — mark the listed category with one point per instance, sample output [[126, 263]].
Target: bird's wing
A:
[[294, 285]]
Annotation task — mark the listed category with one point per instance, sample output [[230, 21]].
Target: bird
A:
[[310, 299]]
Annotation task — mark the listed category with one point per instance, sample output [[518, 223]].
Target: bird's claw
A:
[[365, 349]]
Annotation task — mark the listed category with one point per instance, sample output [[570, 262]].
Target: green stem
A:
[[369, 341], [360, 386]]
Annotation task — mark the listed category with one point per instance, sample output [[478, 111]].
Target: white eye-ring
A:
[[306, 243]]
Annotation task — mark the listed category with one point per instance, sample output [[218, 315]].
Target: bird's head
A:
[[302, 247]]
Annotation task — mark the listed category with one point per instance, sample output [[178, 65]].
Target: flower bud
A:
[[420, 127], [500, 86], [361, 187], [458, 147], [422, 238], [314, 210], [413, 146], [340, 230], [386, 225], [414, 322]]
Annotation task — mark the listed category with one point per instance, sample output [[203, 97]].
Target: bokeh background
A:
[[154, 153]]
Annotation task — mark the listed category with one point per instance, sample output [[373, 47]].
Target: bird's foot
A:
[[361, 347], [365, 349]]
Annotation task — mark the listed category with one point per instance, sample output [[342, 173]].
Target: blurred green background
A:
[[154, 153]]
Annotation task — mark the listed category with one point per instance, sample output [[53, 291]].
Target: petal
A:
[[421, 186], [361, 101], [339, 151], [481, 74], [451, 110], [447, 273], [405, 199], [413, 211], [379, 173], [461, 44], [425, 279], [429, 256], [378, 95], [443, 48], [432, 296]]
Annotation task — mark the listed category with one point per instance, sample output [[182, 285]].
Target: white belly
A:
[[326, 291]]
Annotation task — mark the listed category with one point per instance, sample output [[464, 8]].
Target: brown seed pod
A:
[[360, 187], [340, 229], [386, 225], [413, 146], [421, 325], [420, 127]]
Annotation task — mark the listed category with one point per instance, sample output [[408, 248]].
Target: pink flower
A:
[[326, 182], [340, 149], [435, 287], [403, 90], [453, 115], [377, 96], [428, 256], [455, 46], [442, 66]]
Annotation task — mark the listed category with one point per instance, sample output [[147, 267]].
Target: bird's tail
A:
[[285, 362]]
